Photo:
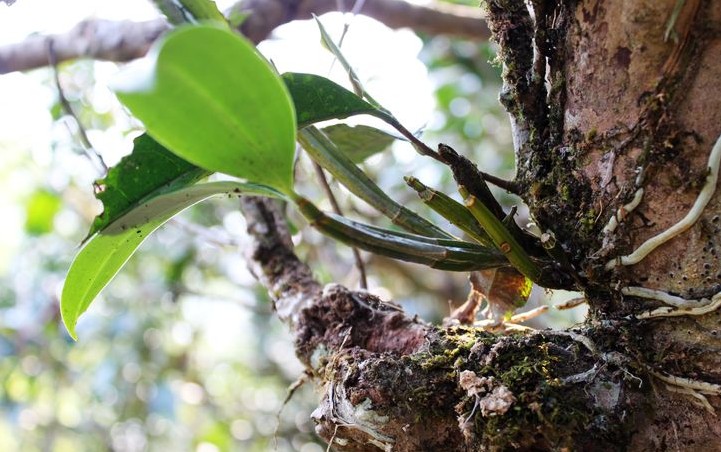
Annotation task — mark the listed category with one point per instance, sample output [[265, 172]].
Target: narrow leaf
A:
[[325, 153], [442, 254], [105, 253], [353, 77], [184, 11], [358, 142], [209, 97], [335, 50], [148, 171]]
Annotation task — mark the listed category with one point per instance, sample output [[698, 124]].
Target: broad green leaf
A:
[[105, 253], [318, 99], [40, 212], [209, 97], [148, 171], [358, 142]]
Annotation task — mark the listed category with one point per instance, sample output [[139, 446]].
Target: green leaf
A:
[[40, 212], [318, 99], [209, 97], [444, 254], [188, 11], [203, 10], [105, 253], [329, 44], [325, 154], [237, 17], [358, 142], [148, 171]]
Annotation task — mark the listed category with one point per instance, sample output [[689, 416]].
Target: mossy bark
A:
[[606, 97]]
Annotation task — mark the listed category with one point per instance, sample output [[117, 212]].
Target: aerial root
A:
[[570, 304], [623, 212], [694, 388], [677, 306], [685, 223]]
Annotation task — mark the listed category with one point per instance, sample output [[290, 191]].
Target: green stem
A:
[[502, 237], [451, 210]]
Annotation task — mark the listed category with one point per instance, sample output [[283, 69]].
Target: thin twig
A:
[[126, 40], [420, 146], [507, 185], [363, 280], [88, 147]]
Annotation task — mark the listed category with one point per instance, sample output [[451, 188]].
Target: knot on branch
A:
[[344, 318]]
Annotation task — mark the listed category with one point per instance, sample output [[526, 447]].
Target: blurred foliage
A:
[[183, 351]]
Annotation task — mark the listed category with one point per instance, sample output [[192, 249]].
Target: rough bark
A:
[[637, 102], [596, 95], [595, 92]]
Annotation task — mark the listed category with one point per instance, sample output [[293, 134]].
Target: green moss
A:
[[543, 404]]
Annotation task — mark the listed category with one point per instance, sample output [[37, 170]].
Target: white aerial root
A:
[[695, 388], [686, 222], [623, 212], [678, 306]]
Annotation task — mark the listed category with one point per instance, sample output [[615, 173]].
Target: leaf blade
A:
[[149, 170], [325, 153], [104, 255], [358, 142], [222, 109], [318, 99]]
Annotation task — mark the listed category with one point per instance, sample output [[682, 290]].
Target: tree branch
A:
[[124, 41], [272, 261], [96, 39]]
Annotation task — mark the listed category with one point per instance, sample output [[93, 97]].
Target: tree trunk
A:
[[606, 98]]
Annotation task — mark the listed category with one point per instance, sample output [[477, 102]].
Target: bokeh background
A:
[[182, 351]]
